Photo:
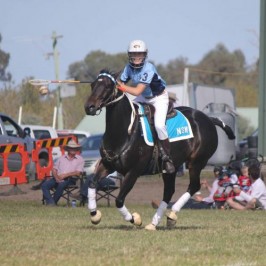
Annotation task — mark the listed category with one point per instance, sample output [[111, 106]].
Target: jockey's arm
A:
[[131, 90]]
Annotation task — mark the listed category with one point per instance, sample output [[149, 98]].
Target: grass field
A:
[[32, 234]]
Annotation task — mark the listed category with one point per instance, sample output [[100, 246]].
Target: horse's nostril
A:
[[90, 110]]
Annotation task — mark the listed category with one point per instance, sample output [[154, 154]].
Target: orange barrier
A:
[[44, 171], [14, 177]]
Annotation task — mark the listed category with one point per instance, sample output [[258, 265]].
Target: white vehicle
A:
[[44, 132], [91, 152], [77, 133]]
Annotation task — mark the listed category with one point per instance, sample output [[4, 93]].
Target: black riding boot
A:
[[168, 166]]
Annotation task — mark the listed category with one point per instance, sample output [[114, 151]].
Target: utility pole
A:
[[262, 80], [60, 122]]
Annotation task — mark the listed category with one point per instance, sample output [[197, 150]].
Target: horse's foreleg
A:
[[127, 185], [134, 218], [100, 171], [92, 206]]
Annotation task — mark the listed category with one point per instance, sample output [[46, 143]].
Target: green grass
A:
[[32, 234]]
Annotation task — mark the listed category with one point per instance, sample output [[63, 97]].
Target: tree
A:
[[89, 68], [173, 72], [4, 61], [215, 66]]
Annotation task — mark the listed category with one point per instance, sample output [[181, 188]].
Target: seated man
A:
[[255, 198], [64, 170]]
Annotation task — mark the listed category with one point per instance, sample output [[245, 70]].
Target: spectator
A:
[[64, 171], [243, 179], [256, 198], [244, 183], [225, 189]]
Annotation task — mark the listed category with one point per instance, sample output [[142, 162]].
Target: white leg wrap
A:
[[92, 199], [181, 202], [159, 213], [125, 213]]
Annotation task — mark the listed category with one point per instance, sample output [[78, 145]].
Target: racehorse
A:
[[123, 149]]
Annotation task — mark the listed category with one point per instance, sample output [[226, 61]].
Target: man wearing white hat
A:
[[65, 168]]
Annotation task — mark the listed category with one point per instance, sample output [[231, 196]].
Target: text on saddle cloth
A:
[[178, 127]]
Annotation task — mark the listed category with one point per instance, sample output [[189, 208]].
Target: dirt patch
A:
[[146, 189]]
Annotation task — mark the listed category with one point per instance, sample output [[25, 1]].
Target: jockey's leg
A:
[[164, 147], [161, 106]]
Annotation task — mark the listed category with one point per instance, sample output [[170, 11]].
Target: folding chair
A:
[[68, 191], [107, 192]]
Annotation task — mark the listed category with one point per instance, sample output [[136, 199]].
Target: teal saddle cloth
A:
[[178, 127]]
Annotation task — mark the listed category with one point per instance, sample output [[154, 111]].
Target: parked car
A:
[[78, 133], [91, 151], [12, 133], [43, 132]]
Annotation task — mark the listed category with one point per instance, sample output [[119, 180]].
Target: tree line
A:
[[219, 67]]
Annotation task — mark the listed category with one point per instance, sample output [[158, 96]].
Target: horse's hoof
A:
[[95, 219], [170, 223], [137, 219], [150, 227], [171, 219]]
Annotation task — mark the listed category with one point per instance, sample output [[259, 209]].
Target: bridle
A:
[[113, 99]]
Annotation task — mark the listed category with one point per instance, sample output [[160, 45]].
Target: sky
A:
[[170, 28]]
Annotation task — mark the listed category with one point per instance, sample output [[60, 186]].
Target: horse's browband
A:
[[107, 75]]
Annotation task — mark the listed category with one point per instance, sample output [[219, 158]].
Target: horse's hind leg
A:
[[194, 186], [169, 190]]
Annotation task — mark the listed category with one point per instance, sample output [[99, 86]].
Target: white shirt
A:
[[258, 191], [215, 186]]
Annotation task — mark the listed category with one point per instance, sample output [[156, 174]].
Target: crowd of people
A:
[[238, 189]]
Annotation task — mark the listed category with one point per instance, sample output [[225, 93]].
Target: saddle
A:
[[149, 111]]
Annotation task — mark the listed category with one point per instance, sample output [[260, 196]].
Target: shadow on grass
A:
[[132, 228]]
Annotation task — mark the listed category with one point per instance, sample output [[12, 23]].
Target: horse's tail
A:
[[219, 122]]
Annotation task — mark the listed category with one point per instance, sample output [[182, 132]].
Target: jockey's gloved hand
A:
[[120, 87]]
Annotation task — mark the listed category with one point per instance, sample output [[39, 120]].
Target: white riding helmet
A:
[[137, 46]]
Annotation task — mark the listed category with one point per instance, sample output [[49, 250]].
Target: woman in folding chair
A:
[[64, 170]]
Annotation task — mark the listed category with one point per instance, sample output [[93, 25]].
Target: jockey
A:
[[149, 87]]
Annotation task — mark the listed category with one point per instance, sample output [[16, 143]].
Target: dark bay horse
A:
[[124, 149]]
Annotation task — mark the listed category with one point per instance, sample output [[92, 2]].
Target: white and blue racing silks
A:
[[147, 75]]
